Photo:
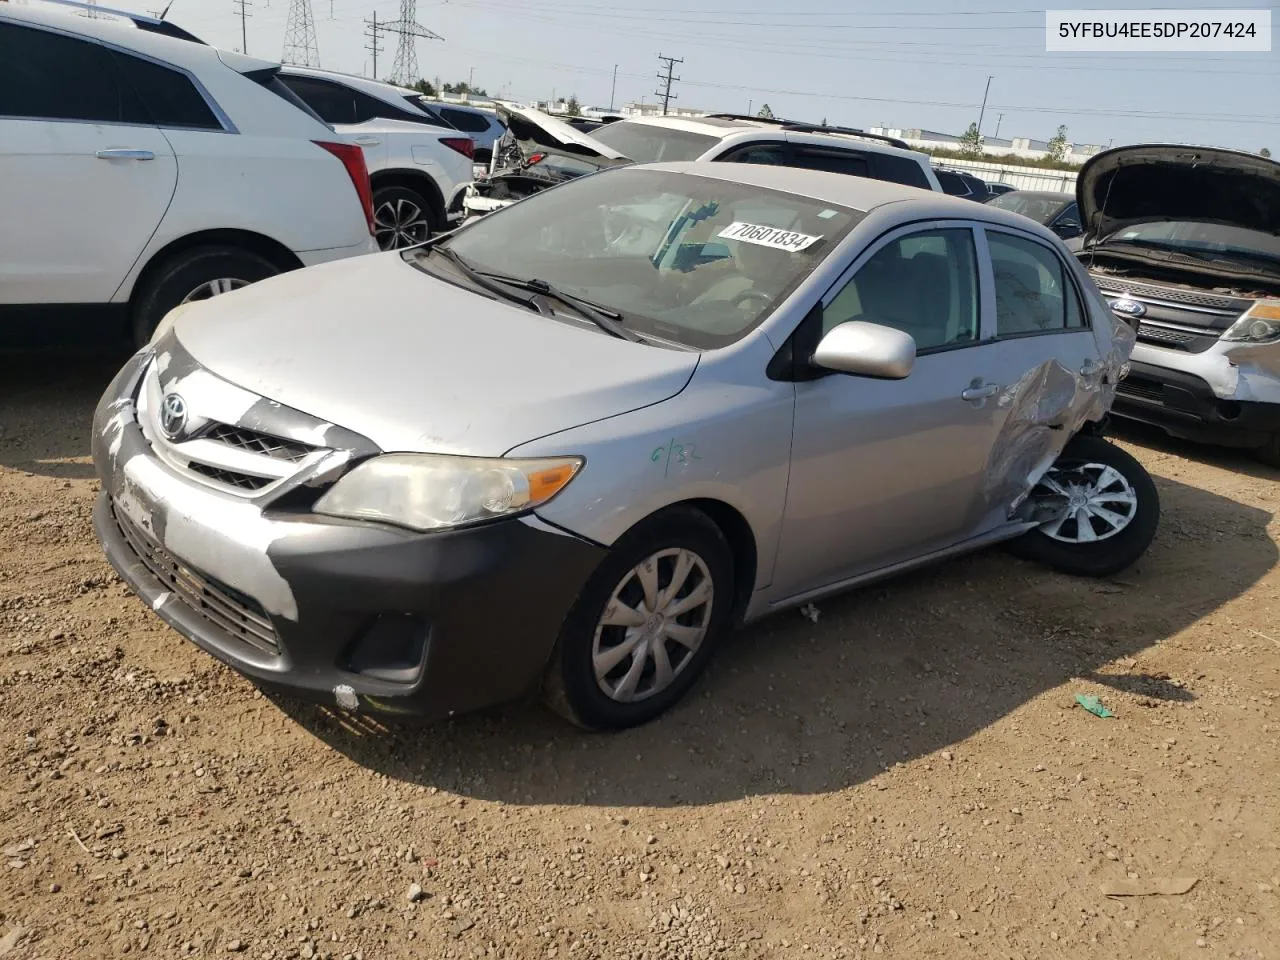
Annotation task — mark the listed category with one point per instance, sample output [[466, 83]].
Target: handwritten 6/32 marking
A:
[[672, 452]]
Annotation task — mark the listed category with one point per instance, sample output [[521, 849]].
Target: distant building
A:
[[655, 110], [1023, 147]]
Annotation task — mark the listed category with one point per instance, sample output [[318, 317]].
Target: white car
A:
[[419, 168], [142, 171], [540, 150]]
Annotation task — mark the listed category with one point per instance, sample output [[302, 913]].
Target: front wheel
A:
[[645, 624], [1109, 511]]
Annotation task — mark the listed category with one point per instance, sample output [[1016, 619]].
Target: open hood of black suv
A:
[[1156, 182]]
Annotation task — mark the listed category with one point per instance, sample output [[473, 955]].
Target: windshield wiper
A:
[[482, 279], [604, 318]]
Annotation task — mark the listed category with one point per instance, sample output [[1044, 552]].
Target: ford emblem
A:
[[1128, 308], [173, 415]]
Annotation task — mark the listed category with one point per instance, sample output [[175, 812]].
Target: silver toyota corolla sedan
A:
[[566, 448]]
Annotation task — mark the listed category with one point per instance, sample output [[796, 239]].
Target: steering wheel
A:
[[742, 299]]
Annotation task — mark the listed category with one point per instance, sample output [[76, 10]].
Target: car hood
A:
[[533, 126], [1154, 182], [414, 363]]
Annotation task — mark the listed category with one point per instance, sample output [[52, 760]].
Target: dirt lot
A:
[[909, 776]]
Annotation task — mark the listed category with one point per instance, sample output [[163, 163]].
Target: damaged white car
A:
[[692, 395]]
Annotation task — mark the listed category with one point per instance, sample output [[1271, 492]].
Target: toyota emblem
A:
[[173, 415]]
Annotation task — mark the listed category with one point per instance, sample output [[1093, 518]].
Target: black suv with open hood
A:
[[1184, 242]]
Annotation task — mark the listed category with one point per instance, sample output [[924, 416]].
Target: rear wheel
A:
[[1110, 509], [401, 218], [195, 275], [645, 624]]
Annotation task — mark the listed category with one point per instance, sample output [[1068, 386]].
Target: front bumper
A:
[[364, 616], [1186, 405]]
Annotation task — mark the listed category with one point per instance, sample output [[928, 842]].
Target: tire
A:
[[572, 688], [1269, 453], [1116, 549], [402, 218], [194, 274]]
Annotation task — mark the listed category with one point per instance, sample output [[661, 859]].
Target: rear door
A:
[[87, 177]]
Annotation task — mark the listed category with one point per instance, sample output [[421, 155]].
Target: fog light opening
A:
[[1228, 410]]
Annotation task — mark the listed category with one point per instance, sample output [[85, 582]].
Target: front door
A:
[[885, 470]]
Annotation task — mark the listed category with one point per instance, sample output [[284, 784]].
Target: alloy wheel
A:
[[212, 288], [1099, 502], [656, 619], [400, 223]]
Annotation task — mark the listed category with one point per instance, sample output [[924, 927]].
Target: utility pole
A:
[[300, 36], [405, 70], [667, 79], [999, 120], [374, 46], [613, 89], [984, 105], [471, 82], [242, 7]]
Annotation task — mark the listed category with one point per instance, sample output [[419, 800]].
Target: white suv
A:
[[419, 168], [541, 150], [142, 171]]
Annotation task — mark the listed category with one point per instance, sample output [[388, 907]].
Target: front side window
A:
[[53, 77], [691, 259], [924, 284], [1033, 294]]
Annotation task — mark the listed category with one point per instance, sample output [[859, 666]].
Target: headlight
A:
[[433, 492], [166, 323], [1260, 325]]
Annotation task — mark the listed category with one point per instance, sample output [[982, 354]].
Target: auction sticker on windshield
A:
[[767, 236]]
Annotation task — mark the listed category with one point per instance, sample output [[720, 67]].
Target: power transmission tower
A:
[[300, 36], [405, 69], [374, 47], [667, 79], [242, 7]]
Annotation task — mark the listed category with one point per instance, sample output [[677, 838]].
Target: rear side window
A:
[[465, 120], [952, 183], [333, 103], [170, 98], [1033, 293], [833, 161], [49, 76], [900, 170]]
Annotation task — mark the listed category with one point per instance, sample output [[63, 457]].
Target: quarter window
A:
[[49, 76], [171, 99], [1033, 294], [924, 284]]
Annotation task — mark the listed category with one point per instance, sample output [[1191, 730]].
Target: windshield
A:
[[685, 258], [1212, 240], [1042, 209], [647, 143]]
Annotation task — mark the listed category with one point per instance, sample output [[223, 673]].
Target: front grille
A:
[[1132, 386], [238, 615], [232, 478], [263, 444], [1160, 335], [1118, 286]]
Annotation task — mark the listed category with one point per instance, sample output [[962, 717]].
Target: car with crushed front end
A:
[[1184, 242], [685, 396]]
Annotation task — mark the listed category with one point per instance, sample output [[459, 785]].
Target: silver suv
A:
[[691, 395]]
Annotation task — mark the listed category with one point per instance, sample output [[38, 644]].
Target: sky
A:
[[900, 63]]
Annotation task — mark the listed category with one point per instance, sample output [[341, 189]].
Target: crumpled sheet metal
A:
[[1047, 407]]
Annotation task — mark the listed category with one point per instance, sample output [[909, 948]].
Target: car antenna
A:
[[165, 12]]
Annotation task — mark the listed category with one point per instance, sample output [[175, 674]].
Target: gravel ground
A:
[[908, 777]]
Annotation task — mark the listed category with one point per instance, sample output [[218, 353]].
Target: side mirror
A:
[[866, 350], [1067, 229]]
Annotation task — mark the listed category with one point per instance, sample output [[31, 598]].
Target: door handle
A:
[[980, 391], [125, 153], [367, 141]]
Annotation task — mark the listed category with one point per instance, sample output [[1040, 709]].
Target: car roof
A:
[[114, 29], [856, 193]]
